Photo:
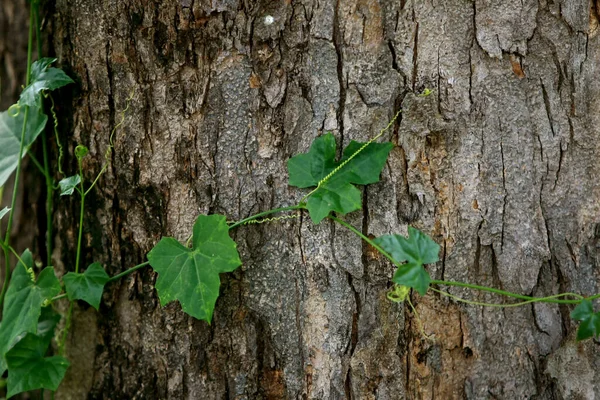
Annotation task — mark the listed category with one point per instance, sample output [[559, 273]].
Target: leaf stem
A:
[[366, 239], [128, 271], [300, 206], [6, 247], [35, 161]]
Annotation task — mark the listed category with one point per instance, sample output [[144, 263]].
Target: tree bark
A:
[[499, 164]]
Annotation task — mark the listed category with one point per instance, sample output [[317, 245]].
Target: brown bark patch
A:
[[439, 364], [516, 66]]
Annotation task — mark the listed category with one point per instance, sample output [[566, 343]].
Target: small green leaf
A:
[[418, 249], [590, 321], [23, 303], [413, 275], [337, 193], [68, 185], [192, 275], [28, 369], [583, 311], [4, 211], [11, 127], [87, 286], [43, 78]]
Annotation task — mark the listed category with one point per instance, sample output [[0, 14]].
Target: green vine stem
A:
[[46, 169], [128, 271], [19, 164], [82, 192], [528, 299], [366, 239], [555, 299]]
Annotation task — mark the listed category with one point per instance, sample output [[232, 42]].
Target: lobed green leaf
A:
[[28, 369], [191, 276], [43, 77], [338, 193], [590, 321], [416, 250], [87, 286]]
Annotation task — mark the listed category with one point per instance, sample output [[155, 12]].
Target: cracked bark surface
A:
[[499, 165]]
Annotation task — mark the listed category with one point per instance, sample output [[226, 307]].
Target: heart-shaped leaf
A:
[[11, 126], [23, 303], [192, 275], [338, 192], [87, 286], [416, 250]]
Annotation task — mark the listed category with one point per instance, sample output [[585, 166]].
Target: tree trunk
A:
[[499, 164]]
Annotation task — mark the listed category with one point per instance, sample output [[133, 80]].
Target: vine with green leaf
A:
[[188, 273]]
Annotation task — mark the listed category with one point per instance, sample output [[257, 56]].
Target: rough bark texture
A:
[[500, 165]]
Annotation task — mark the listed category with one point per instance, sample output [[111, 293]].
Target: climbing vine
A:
[[188, 273]]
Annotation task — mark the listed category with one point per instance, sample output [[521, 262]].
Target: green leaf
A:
[[418, 249], [43, 78], [583, 311], [4, 211], [192, 275], [11, 126], [23, 303], [337, 193], [590, 321], [87, 286], [68, 185], [28, 369]]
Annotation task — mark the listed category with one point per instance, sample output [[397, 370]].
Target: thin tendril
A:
[[111, 144], [58, 144], [274, 219], [419, 321], [339, 167], [497, 305]]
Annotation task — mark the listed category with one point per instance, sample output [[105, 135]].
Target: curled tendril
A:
[[398, 294], [111, 144], [11, 110]]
